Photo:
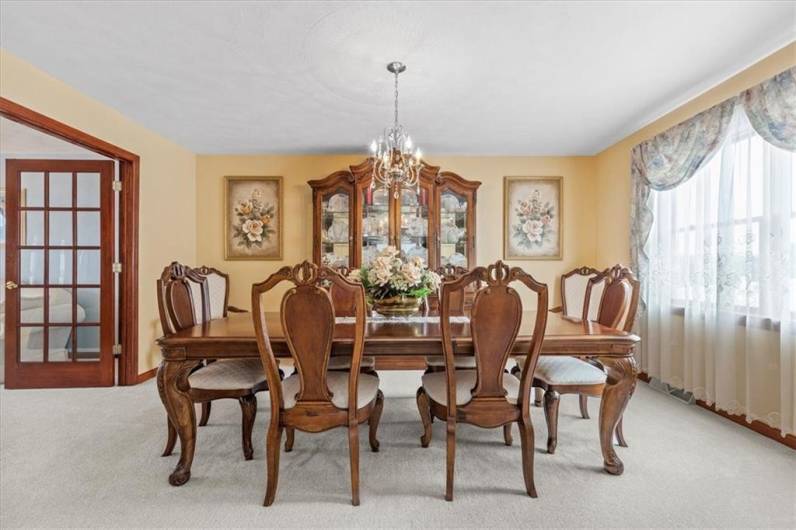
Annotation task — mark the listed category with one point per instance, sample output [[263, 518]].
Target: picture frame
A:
[[253, 218], [533, 218]]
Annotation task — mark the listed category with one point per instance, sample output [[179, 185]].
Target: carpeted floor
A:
[[90, 458]]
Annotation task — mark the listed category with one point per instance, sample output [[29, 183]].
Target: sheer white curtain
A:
[[721, 296]]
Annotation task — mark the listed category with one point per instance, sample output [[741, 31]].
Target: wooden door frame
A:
[[129, 164]]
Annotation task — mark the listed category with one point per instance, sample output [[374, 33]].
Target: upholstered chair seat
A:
[[435, 385], [367, 388], [228, 373], [555, 370], [340, 362]]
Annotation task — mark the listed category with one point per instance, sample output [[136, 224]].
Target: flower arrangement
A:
[[388, 276], [534, 225], [253, 225]]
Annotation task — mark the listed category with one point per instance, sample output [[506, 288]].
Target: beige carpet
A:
[[90, 458]]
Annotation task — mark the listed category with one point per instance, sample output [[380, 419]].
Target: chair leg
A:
[[526, 440], [171, 440], [248, 409], [584, 406], [620, 435], [353, 448], [537, 396], [373, 421], [507, 434], [205, 413], [551, 400], [289, 438], [451, 458], [272, 462], [424, 407]]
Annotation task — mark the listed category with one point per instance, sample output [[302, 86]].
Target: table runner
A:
[[414, 319]]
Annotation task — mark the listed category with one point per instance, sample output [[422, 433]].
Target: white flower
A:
[[253, 230], [355, 276]]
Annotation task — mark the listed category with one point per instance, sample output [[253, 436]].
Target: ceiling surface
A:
[[536, 78], [20, 141]]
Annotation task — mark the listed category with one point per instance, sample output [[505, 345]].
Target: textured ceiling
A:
[[21, 140], [537, 78]]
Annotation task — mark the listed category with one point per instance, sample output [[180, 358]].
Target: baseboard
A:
[[146, 376], [758, 426]]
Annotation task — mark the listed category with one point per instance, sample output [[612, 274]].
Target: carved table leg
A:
[[174, 393], [619, 388]]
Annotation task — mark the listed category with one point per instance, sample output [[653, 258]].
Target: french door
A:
[[59, 307]]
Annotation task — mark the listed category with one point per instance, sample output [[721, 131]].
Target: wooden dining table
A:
[[234, 337]]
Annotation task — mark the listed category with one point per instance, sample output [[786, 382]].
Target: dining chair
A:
[[183, 302], [573, 304], [218, 301], [315, 399], [461, 301], [486, 396], [344, 303], [559, 375]]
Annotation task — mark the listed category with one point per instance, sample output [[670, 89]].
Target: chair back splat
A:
[[495, 319]]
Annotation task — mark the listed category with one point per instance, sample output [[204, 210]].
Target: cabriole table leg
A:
[[174, 393], [619, 387]]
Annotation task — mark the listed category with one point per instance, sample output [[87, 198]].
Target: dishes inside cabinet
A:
[[338, 203]]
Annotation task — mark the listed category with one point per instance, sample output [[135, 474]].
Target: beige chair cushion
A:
[[436, 387], [368, 387], [438, 361], [557, 370], [228, 374], [217, 289], [341, 362]]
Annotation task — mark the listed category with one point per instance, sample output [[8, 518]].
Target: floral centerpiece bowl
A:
[[395, 286]]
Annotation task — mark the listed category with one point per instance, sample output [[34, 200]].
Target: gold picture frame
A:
[[252, 206], [533, 223]]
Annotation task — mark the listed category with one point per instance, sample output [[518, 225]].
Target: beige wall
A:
[[579, 209], [168, 195], [613, 197]]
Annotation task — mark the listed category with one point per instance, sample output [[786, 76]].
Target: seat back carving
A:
[[574, 285], [182, 298], [619, 300], [495, 320], [343, 300], [307, 306], [217, 289]]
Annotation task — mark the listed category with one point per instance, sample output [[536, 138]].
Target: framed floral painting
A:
[[253, 218], [532, 225]]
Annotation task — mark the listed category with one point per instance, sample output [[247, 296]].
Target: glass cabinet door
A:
[[414, 223], [336, 229], [453, 210], [375, 222]]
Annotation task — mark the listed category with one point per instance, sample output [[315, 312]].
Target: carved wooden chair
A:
[[344, 303], [460, 303], [486, 396], [315, 399], [569, 375], [573, 304], [183, 302]]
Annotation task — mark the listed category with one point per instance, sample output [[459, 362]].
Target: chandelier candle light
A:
[[396, 162]]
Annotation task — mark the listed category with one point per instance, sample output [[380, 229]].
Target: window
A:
[[727, 237]]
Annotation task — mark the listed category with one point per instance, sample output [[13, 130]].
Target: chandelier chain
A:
[[396, 100]]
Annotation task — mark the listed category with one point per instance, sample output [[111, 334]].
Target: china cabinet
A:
[[353, 221]]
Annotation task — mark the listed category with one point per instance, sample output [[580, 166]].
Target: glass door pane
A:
[[335, 229], [375, 222], [414, 223], [453, 229]]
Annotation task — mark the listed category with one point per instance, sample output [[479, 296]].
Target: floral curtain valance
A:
[[771, 108], [672, 157]]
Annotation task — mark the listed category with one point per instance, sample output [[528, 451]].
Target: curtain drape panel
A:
[[715, 314]]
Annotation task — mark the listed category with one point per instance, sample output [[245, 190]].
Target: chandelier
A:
[[396, 162]]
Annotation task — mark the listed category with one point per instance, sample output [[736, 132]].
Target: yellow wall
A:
[[168, 194], [578, 206], [613, 197]]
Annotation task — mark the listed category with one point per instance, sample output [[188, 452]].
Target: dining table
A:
[[234, 337]]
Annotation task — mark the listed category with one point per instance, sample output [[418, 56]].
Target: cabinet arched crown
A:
[[352, 222]]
